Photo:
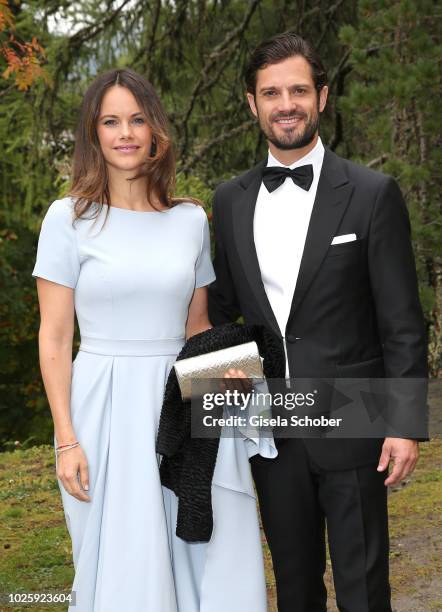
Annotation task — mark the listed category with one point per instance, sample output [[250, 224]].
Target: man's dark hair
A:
[[279, 48]]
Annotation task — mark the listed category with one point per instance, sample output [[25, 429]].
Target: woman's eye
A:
[[139, 120], [109, 122]]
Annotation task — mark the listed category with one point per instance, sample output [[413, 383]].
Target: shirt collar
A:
[[314, 157]]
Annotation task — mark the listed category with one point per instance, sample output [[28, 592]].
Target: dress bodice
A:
[[134, 273]]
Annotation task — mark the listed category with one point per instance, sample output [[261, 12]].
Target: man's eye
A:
[[299, 90], [269, 93]]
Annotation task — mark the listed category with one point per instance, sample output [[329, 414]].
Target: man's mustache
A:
[[288, 116]]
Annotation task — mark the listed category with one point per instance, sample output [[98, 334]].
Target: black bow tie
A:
[[274, 176]]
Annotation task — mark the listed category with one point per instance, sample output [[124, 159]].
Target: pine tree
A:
[[391, 122]]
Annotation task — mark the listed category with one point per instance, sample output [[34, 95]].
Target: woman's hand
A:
[[71, 463], [239, 383]]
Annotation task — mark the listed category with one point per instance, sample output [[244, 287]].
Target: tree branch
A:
[[377, 161], [331, 13], [151, 44], [339, 77], [202, 150], [216, 54], [93, 30]]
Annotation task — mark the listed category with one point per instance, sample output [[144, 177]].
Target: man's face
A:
[[287, 104]]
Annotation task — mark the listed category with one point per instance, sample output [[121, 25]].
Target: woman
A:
[[133, 263]]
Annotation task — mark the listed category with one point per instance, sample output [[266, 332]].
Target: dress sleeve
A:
[[57, 253], [204, 273]]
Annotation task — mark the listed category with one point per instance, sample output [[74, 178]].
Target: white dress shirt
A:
[[280, 227]]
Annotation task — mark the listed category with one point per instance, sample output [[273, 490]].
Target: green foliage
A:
[[23, 408], [392, 108], [194, 187]]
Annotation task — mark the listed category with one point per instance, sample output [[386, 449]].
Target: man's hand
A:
[[403, 453]]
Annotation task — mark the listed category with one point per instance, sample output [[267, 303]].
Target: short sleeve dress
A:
[[133, 275]]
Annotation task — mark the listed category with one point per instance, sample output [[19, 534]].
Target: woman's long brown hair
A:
[[90, 180]]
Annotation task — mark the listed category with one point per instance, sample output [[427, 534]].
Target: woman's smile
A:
[[127, 148]]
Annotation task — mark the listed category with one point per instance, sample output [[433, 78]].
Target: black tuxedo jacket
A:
[[355, 311]]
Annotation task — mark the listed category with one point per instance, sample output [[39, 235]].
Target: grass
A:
[[35, 545], [36, 551]]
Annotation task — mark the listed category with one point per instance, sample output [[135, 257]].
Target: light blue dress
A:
[[133, 278]]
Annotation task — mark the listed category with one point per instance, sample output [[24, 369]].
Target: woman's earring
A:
[[153, 148]]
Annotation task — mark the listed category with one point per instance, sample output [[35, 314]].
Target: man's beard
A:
[[293, 139]]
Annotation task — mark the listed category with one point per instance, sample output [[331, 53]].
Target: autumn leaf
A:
[[23, 59], [6, 18]]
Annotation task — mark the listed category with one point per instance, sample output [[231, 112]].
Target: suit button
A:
[[291, 338]]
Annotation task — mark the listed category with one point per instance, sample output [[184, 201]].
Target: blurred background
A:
[[383, 61]]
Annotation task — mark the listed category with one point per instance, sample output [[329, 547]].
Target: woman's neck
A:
[[129, 194]]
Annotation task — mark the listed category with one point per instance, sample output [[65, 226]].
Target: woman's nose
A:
[[125, 129]]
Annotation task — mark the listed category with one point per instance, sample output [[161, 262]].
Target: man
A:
[[321, 256]]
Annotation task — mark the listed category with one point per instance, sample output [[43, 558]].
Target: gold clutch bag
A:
[[214, 365]]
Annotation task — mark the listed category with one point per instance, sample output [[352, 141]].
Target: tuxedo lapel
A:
[[332, 198], [243, 210]]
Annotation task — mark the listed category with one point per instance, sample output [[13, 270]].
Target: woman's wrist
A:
[[65, 438]]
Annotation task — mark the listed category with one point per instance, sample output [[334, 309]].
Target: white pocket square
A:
[[343, 238]]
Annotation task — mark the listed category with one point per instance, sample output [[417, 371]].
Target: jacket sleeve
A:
[[394, 286], [399, 314], [223, 301]]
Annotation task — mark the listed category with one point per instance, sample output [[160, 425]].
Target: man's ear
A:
[[251, 101], [323, 98]]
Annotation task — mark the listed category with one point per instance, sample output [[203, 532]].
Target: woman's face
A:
[[124, 134]]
